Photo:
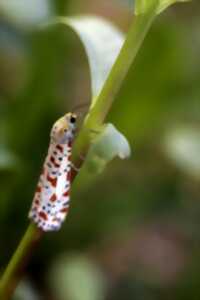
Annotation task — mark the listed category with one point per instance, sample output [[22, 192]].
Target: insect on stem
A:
[[51, 200]]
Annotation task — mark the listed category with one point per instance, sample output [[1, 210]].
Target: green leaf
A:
[[143, 6], [102, 43], [106, 145]]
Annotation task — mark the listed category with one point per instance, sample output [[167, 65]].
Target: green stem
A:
[[104, 101], [133, 42], [95, 117], [14, 269]]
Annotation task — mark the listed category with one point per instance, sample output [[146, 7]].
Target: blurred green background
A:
[[133, 233]]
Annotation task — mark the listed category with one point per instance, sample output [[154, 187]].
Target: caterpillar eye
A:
[[72, 119]]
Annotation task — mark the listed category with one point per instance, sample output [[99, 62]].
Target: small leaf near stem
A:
[[107, 145]]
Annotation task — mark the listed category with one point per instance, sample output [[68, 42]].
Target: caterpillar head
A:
[[64, 129]]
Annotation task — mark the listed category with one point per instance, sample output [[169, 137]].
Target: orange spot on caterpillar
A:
[[53, 181], [38, 189], [66, 193], [52, 160], [68, 177], [37, 202], [53, 198], [60, 148], [43, 215], [64, 210], [70, 144]]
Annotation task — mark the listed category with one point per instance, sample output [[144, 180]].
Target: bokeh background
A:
[[133, 231]]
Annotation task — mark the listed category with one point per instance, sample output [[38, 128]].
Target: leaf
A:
[[102, 43], [143, 6], [182, 145], [108, 144]]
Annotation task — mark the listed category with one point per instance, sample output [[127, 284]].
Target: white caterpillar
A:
[[51, 200]]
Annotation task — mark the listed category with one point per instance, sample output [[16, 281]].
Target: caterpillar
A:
[[52, 196]]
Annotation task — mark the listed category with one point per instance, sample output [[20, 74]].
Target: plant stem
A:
[[18, 261], [104, 101], [133, 42], [95, 118]]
